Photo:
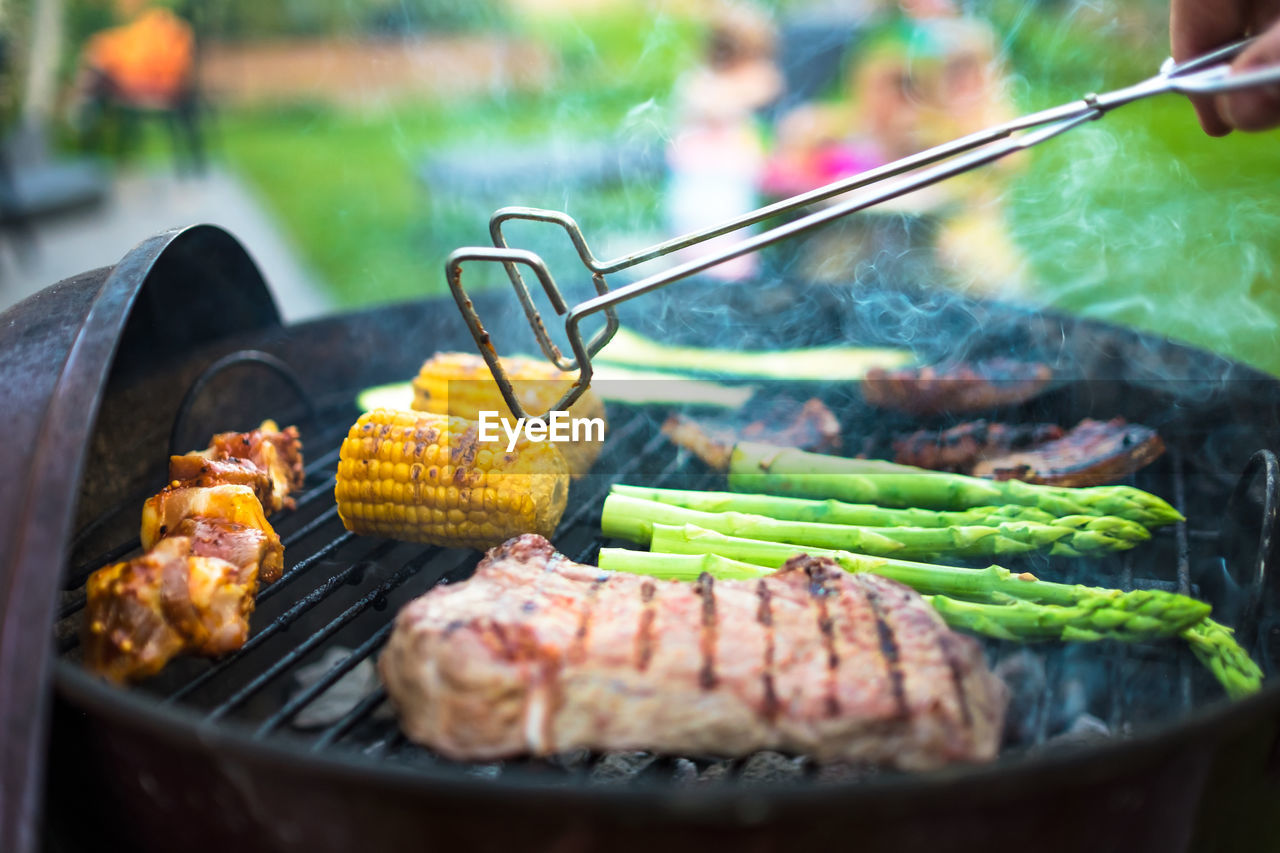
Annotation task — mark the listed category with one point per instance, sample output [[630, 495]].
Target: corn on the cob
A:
[[460, 384], [426, 477]]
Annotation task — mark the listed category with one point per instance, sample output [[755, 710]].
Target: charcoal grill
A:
[[104, 373]]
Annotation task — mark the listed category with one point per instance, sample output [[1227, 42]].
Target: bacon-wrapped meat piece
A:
[[231, 456], [143, 612], [956, 388], [163, 512]]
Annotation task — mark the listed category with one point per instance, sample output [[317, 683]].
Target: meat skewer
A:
[[536, 654], [208, 548]]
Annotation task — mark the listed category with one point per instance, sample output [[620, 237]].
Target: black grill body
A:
[[210, 756]]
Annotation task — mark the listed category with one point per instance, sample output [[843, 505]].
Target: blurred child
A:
[[716, 154]]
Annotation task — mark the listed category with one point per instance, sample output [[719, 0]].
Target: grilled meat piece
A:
[[1090, 454], [956, 388], [958, 449], [276, 451], [538, 654], [141, 613], [812, 427], [197, 469], [163, 512]]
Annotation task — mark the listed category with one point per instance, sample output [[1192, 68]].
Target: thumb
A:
[[1258, 108]]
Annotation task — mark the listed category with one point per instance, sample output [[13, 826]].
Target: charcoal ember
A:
[[620, 767], [485, 771], [1024, 674], [572, 759], [845, 772], [716, 773], [343, 695], [1084, 730], [1070, 704], [770, 768], [684, 772]]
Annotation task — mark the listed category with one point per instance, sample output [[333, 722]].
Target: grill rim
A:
[[1211, 723], [1221, 717]]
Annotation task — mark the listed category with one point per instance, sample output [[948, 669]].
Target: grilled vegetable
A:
[[824, 364], [786, 471], [426, 477], [632, 518], [993, 584], [460, 384], [1216, 648], [991, 601], [838, 512], [1101, 614]]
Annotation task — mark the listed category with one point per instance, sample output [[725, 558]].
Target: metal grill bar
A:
[[289, 616], [364, 708], [299, 651], [306, 696], [645, 459]]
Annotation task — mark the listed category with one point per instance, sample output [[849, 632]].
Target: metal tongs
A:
[[1205, 75]]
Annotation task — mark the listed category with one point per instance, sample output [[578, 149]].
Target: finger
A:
[[1254, 109], [1196, 27]]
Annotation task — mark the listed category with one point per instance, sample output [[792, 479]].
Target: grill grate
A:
[[336, 600]]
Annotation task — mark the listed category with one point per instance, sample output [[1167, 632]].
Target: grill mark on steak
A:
[[957, 676], [707, 639], [888, 650], [577, 651], [818, 591], [764, 615], [644, 633]]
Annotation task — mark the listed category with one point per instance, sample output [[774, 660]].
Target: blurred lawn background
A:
[[1138, 219]]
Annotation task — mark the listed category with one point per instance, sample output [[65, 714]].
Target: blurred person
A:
[[969, 93], [146, 60], [144, 64], [1198, 26], [875, 119], [716, 155]]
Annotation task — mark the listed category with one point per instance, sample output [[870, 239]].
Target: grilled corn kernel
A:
[[426, 477], [538, 386]]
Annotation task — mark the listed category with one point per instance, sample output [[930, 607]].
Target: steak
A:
[[1090, 454], [961, 447], [536, 654], [956, 388]]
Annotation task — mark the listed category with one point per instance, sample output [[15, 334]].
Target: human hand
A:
[[1198, 26]]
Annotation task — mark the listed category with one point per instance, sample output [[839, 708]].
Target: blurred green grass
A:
[[1137, 219]]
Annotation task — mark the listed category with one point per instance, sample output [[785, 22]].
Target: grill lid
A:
[[179, 288]]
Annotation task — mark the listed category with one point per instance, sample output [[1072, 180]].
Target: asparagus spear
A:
[[1123, 615], [1217, 649], [632, 518], [1092, 618], [788, 471], [837, 512], [993, 585]]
